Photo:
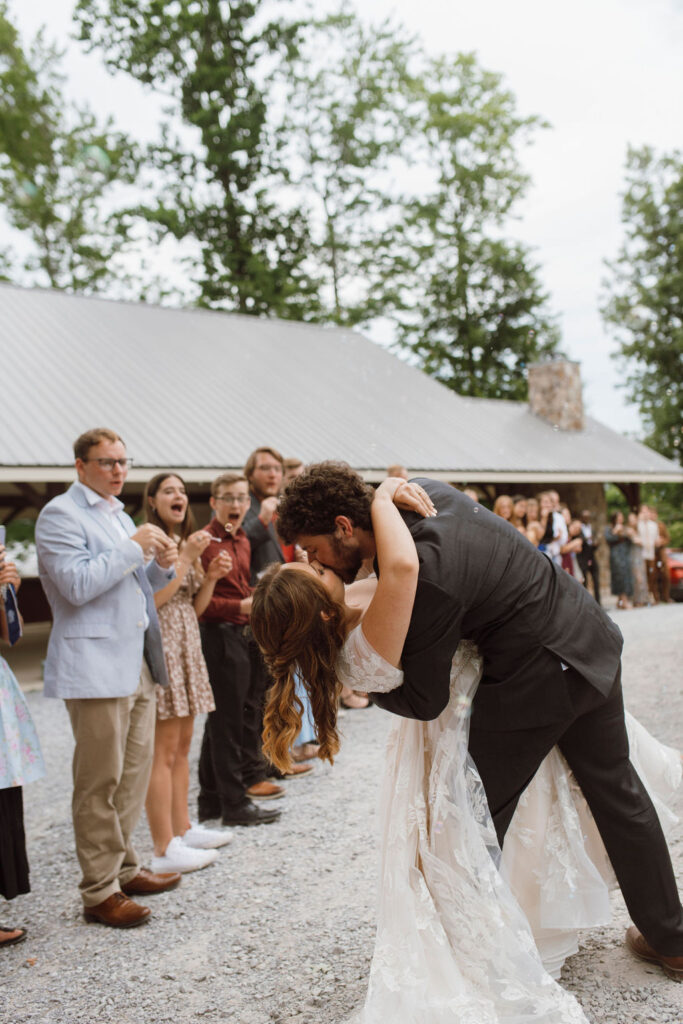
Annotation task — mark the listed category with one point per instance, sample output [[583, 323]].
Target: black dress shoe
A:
[[205, 812], [250, 814]]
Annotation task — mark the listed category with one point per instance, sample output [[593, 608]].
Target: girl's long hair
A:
[[300, 630]]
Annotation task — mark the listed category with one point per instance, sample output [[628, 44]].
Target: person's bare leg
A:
[[180, 778], [159, 801]]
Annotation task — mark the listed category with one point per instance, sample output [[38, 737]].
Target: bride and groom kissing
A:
[[464, 611]]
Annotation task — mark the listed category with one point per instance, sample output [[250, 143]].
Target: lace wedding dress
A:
[[452, 944]]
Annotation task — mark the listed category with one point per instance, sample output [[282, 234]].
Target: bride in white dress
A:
[[452, 945]]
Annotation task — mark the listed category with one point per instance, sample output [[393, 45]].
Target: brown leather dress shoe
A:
[[671, 965], [264, 791], [118, 912], [146, 882]]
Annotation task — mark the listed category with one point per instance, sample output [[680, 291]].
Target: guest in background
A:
[[21, 762], [223, 789], [572, 549], [502, 507], [647, 528], [264, 472], [291, 469], [471, 493], [586, 557], [534, 530], [662, 544], [180, 845], [397, 470], [519, 512], [638, 572], [621, 580]]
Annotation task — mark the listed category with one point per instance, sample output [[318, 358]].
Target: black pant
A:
[[255, 768], [595, 745], [592, 567], [221, 784]]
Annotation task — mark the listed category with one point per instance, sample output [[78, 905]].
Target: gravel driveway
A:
[[281, 928]]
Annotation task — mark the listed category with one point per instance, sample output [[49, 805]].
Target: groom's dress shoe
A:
[[672, 965], [147, 882]]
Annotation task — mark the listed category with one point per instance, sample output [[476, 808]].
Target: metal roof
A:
[[198, 390]]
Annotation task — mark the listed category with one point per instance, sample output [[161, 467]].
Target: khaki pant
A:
[[111, 766]]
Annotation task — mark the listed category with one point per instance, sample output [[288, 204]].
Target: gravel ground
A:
[[281, 928]]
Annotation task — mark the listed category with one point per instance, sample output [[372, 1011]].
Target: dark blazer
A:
[[482, 580], [265, 545]]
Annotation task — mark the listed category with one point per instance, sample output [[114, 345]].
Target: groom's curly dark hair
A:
[[313, 499]]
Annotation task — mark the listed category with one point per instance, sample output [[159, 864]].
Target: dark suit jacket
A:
[[482, 580], [265, 545]]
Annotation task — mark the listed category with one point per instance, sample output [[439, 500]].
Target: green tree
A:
[[643, 301], [346, 94], [469, 304], [59, 174], [218, 186]]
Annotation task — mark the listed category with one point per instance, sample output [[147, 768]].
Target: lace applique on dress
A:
[[360, 667]]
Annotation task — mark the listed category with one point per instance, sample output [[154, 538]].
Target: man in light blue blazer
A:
[[104, 656]]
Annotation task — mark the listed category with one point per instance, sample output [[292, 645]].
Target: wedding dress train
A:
[[453, 945]]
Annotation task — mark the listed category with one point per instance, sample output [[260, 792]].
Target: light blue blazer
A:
[[94, 580]]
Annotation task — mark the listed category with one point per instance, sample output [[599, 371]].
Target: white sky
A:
[[604, 73]]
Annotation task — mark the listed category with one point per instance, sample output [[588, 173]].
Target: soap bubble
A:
[[95, 155]]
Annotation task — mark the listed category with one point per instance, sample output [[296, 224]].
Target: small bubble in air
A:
[[475, 509]]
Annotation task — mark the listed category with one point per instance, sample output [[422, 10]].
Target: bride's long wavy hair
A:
[[300, 629]]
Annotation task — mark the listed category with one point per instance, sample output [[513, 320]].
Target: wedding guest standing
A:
[[616, 535], [180, 845], [587, 559], [638, 571], [99, 572], [224, 788], [21, 762]]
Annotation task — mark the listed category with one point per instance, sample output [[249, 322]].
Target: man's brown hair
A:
[[250, 464], [226, 480], [85, 442], [323, 491]]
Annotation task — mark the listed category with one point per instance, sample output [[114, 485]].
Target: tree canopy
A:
[[643, 300]]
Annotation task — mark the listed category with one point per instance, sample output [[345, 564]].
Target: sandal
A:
[[4, 930]]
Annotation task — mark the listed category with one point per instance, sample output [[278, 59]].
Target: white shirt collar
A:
[[109, 505]]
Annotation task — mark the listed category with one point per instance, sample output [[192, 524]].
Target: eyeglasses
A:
[[109, 464], [232, 499]]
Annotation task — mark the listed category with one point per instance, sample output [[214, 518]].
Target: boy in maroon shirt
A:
[[222, 789]]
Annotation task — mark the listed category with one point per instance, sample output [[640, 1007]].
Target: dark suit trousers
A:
[[595, 745], [221, 785], [255, 768]]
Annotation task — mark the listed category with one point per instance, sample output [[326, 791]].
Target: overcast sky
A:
[[604, 73]]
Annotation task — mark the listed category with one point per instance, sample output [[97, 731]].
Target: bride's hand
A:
[[408, 496]]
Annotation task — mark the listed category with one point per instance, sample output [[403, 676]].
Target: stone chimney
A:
[[555, 394]]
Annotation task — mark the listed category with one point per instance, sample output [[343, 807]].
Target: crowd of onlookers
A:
[[151, 628], [638, 545]]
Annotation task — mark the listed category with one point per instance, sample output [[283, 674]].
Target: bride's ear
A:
[[344, 526], [324, 616]]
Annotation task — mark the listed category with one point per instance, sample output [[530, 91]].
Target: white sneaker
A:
[[199, 838], [179, 857]]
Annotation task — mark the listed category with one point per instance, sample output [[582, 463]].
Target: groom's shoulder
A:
[[445, 496]]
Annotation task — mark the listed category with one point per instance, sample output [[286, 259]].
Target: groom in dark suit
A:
[[551, 671]]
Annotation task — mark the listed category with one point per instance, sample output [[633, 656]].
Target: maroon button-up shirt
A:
[[230, 590]]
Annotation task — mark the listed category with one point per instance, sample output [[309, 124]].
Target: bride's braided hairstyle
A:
[[299, 628]]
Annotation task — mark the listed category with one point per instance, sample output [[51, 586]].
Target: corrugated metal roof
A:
[[193, 388]]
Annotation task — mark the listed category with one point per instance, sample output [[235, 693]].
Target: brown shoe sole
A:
[[94, 919], [672, 972]]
